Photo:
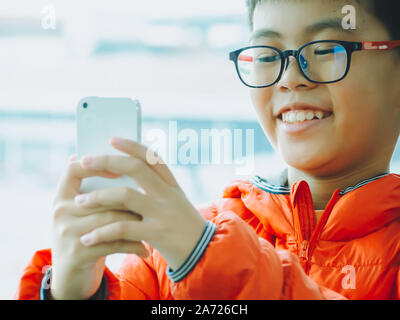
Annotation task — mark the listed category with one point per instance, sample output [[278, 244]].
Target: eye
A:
[[327, 50], [267, 58], [321, 52]]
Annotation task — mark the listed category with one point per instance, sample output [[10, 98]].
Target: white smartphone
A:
[[98, 119]]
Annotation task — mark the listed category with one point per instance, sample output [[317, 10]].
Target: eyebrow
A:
[[330, 23]]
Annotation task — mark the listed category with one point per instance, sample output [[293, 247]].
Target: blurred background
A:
[[171, 55]]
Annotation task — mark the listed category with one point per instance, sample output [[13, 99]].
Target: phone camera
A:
[[85, 105]]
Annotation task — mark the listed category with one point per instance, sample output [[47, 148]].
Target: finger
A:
[[121, 230], [152, 159], [135, 168], [70, 182], [73, 157], [97, 220], [105, 249], [121, 198], [68, 207]]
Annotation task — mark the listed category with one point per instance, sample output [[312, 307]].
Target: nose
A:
[[292, 78]]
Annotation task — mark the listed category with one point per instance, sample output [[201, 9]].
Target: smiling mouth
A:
[[299, 122], [300, 116]]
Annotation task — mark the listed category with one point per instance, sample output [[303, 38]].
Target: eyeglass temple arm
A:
[[234, 55], [245, 58], [380, 45]]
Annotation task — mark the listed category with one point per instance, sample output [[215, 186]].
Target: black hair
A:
[[385, 10]]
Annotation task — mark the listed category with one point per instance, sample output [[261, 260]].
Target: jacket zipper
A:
[[304, 250], [307, 246]]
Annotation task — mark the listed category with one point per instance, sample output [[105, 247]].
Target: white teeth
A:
[[310, 115], [301, 115]]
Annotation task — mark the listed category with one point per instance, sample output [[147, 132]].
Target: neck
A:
[[322, 188]]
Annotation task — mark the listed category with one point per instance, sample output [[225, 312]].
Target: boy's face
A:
[[364, 126]]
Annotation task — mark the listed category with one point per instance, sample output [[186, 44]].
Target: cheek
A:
[[364, 111], [261, 99], [361, 126]]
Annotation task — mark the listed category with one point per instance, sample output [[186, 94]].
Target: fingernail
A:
[[117, 141], [86, 240], [73, 158], [81, 199], [87, 161]]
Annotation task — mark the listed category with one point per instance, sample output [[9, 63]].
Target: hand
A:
[[77, 270], [170, 223]]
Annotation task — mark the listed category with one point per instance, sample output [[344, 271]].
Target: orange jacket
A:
[[266, 245]]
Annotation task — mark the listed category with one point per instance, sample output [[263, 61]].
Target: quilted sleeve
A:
[[117, 287], [238, 264]]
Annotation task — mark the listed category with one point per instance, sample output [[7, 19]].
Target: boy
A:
[[328, 228]]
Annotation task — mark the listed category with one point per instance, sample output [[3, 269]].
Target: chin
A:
[[305, 161]]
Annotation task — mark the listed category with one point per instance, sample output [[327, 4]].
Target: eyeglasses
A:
[[324, 61]]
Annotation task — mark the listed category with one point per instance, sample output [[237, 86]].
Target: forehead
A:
[[308, 6], [289, 18]]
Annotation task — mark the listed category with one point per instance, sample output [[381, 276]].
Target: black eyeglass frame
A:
[[349, 46]]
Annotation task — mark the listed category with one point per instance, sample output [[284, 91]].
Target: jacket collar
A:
[[279, 184], [361, 209]]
